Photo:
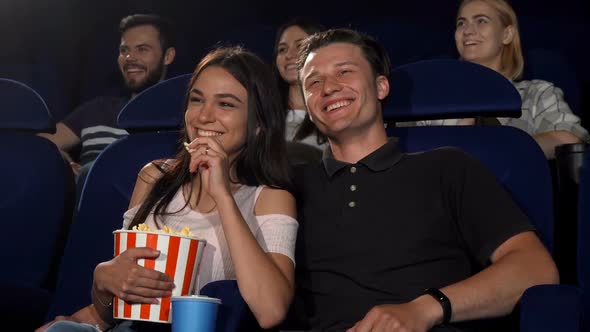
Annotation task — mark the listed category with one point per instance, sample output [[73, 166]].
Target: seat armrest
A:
[[551, 308], [233, 314]]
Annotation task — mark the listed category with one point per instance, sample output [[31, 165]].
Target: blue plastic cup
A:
[[194, 313]]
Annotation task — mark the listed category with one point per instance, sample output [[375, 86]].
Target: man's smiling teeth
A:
[[208, 133], [133, 68], [337, 105]]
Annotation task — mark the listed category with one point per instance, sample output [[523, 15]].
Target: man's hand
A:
[[74, 165], [419, 315]]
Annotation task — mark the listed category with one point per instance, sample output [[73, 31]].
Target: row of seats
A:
[[153, 120]]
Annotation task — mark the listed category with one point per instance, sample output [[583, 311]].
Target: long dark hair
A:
[[262, 160], [307, 127]]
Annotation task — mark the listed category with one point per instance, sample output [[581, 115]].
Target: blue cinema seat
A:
[[36, 203], [448, 89], [233, 314], [562, 304], [152, 119], [583, 254], [509, 153]]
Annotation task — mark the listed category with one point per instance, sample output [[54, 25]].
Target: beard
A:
[[153, 77]]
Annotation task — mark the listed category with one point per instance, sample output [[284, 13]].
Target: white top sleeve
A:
[[277, 233]]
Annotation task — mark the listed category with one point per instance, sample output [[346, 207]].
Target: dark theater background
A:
[[66, 49]]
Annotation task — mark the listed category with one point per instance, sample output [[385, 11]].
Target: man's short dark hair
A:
[[165, 27], [374, 52]]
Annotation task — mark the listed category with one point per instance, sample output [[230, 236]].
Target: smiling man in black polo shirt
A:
[[390, 240]]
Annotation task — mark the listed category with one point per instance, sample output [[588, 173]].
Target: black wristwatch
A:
[[444, 303]]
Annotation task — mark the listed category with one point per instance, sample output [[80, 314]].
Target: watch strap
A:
[[444, 302]]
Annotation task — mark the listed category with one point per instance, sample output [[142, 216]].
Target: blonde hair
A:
[[512, 60]]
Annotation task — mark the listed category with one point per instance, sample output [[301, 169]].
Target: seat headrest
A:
[[449, 88], [22, 108], [159, 107]]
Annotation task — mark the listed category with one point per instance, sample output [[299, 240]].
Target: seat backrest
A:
[[446, 89], [583, 241], [104, 199], [23, 109], [37, 193], [153, 119], [509, 153], [159, 107]]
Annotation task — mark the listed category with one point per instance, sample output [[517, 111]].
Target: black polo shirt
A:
[[386, 228]]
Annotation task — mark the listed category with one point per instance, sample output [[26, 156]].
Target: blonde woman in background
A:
[[487, 34]]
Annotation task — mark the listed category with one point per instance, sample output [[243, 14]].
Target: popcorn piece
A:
[[186, 231], [145, 228]]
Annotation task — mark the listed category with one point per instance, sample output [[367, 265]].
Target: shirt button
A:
[[353, 188], [353, 169], [352, 204]]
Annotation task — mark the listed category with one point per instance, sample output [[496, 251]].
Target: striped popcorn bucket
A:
[[179, 258]]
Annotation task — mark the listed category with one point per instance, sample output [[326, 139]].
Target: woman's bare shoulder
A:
[[273, 201]]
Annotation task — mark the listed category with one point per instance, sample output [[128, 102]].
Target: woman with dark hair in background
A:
[[288, 39], [227, 184]]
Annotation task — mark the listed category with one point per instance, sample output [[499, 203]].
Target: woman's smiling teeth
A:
[[208, 133], [338, 105]]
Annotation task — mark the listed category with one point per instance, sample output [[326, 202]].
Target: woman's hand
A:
[[211, 160], [123, 277]]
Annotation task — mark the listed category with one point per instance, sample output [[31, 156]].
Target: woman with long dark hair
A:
[[228, 184], [289, 36]]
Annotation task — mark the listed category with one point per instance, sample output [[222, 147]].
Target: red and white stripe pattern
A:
[[179, 258]]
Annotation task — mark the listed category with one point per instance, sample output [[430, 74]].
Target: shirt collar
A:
[[381, 159]]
